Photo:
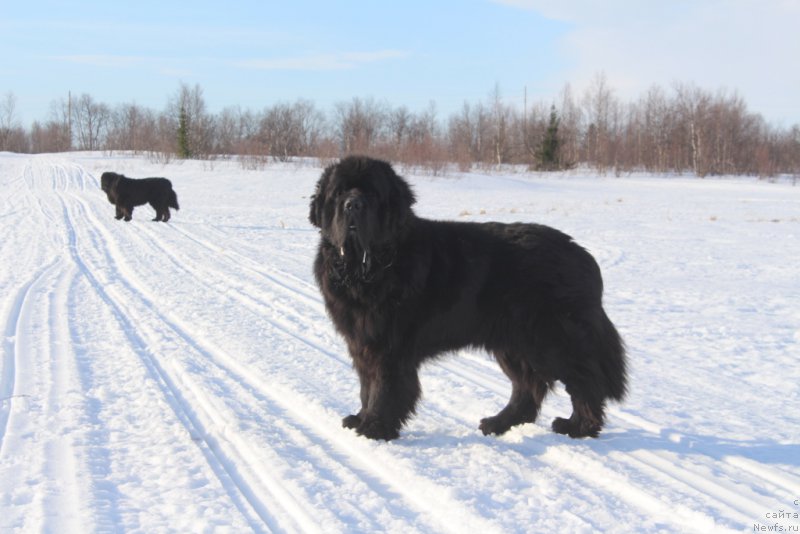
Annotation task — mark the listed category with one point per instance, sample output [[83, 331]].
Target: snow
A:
[[184, 377]]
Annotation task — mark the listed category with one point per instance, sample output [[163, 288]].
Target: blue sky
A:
[[256, 53]]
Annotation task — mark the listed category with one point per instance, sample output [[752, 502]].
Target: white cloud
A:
[[750, 46]]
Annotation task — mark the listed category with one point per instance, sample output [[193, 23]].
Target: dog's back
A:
[[140, 191]]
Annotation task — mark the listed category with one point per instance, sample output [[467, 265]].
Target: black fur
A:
[[125, 193], [402, 289]]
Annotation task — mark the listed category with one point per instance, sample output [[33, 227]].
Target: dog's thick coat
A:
[[402, 289], [125, 193]]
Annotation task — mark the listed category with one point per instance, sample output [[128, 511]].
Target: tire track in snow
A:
[[226, 469], [17, 305], [592, 472], [282, 316], [637, 497], [48, 467], [723, 497], [428, 495], [759, 474], [618, 485], [689, 479], [64, 467], [239, 462], [11, 346], [292, 285], [326, 437], [97, 465], [718, 496]]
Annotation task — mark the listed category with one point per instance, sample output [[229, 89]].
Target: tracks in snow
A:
[[267, 432], [269, 501], [36, 374], [256, 290], [290, 307], [14, 344]]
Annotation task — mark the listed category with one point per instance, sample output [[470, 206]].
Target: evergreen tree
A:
[[184, 152], [548, 154]]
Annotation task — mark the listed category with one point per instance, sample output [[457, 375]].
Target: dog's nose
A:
[[353, 204]]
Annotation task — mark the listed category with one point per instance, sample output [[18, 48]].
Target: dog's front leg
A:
[[354, 421], [393, 395]]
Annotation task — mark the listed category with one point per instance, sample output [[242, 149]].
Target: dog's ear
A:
[[399, 191], [313, 216], [401, 200], [318, 198], [403, 191]]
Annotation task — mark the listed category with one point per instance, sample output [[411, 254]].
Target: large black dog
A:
[[402, 289], [125, 193]]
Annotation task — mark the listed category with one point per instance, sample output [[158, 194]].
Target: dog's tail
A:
[[173, 200], [611, 357]]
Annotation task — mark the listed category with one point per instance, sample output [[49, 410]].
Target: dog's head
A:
[[360, 205], [108, 183], [108, 180]]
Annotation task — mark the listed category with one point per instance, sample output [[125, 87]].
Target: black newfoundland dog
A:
[[125, 193], [402, 289]]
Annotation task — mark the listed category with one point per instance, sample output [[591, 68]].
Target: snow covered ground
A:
[[184, 377]]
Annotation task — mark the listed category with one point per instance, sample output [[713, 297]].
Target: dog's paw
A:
[[493, 425], [575, 429], [375, 429], [351, 421]]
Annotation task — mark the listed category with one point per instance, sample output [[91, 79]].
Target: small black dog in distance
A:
[[126, 193]]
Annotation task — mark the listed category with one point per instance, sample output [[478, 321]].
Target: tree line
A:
[[683, 129]]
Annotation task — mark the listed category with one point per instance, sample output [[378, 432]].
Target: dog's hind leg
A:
[[159, 211], [528, 390], [588, 412], [598, 373]]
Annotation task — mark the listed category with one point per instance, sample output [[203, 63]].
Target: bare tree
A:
[[89, 120], [290, 130], [692, 105], [599, 107], [686, 129], [234, 126], [398, 123], [131, 127], [500, 127], [421, 144], [359, 124], [55, 134], [7, 119], [312, 125], [570, 127]]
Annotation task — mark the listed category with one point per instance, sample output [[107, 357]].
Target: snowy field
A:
[[183, 377]]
